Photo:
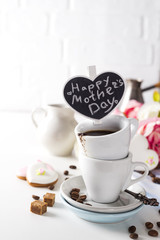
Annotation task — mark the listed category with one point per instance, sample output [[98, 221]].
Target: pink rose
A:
[[132, 109], [150, 128], [154, 140]]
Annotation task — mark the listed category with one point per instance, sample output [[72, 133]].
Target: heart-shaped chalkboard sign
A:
[[95, 99]]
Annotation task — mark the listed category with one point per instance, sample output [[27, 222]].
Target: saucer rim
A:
[[98, 217], [109, 210]]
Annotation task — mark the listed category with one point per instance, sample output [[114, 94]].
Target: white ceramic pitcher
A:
[[55, 128]]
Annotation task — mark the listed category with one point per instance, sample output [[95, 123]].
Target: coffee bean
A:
[[66, 172], [74, 194], [148, 201], [158, 224], [156, 180], [133, 235], [149, 225], [83, 197], [35, 197], [153, 199], [153, 233], [74, 197], [75, 190], [156, 204], [51, 187], [79, 200], [72, 167], [131, 229], [145, 202]]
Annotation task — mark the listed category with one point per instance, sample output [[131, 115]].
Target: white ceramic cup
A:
[[111, 146], [105, 180]]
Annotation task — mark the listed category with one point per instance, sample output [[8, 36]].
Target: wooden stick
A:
[[92, 72]]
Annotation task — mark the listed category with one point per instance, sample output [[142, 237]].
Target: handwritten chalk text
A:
[[95, 93], [96, 98]]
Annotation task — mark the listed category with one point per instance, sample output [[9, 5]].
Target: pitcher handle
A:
[[133, 126], [34, 114]]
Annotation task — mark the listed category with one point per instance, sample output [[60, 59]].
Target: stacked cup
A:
[[105, 160]]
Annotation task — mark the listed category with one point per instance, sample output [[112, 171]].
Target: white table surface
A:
[[19, 147]]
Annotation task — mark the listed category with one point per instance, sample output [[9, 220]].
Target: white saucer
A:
[[125, 203], [97, 217]]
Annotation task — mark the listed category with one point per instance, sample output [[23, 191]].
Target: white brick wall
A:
[[45, 42]]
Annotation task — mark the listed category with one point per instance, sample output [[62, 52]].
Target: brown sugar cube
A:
[[49, 198], [38, 207]]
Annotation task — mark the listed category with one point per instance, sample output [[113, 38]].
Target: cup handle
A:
[[34, 114], [133, 126], [133, 181]]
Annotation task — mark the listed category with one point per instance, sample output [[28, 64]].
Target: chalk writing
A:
[[76, 99], [96, 98]]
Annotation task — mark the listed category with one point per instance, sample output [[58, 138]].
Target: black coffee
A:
[[96, 133]]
